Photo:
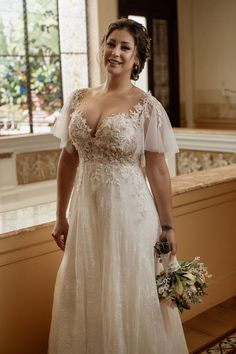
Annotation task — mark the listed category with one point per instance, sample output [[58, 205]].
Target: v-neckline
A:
[[93, 132]]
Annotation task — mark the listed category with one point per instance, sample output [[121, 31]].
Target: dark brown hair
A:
[[141, 41]]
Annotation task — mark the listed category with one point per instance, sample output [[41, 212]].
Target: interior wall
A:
[[207, 53], [29, 261], [215, 57], [108, 12], [93, 42], [214, 42], [204, 220], [186, 62]]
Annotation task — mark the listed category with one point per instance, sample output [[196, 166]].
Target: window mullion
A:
[[27, 62]]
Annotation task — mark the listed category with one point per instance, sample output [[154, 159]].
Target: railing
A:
[[28, 164]]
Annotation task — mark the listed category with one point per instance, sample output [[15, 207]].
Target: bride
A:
[[105, 299]]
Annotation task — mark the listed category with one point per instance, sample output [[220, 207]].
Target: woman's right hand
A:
[[60, 232]]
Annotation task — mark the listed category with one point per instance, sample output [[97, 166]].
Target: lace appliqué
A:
[[111, 156], [151, 104]]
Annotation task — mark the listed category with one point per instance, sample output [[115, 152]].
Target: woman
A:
[[105, 299]]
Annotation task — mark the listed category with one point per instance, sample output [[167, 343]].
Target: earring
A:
[[135, 72]]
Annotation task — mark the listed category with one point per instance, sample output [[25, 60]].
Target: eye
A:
[[109, 44], [125, 48]]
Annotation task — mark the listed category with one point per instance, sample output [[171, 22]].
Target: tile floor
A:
[[210, 325]]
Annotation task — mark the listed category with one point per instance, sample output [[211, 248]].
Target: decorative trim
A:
[[205, 140], [30, 142], [37, 166], [188, 161]]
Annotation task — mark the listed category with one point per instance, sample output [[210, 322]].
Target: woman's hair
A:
[[141, 41]]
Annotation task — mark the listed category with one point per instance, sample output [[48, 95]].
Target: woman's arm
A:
[[159, 179], [66, 171]]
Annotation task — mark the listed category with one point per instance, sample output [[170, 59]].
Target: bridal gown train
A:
[[105, 299]]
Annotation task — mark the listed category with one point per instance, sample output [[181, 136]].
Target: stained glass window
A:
[[43, 57]]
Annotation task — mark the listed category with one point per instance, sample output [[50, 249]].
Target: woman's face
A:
[[119, 53]]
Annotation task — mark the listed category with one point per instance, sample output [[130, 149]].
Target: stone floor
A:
[[210, 325]]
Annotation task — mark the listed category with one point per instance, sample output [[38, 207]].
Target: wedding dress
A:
[[105, 299]]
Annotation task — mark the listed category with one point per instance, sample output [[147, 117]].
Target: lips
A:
[[114, 62]]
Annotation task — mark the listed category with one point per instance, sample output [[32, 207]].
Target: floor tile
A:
[[196, 339], [207, 325], [228, 317], [210, 325], [229, 303]]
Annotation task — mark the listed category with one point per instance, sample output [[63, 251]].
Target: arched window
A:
[[43, 56]]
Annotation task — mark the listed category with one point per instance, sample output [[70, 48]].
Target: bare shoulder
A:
[[138, 91], [93, 91], [138, 94], [85, 93]]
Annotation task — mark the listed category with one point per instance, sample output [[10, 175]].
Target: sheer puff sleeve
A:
[[158, 132], [61, 127]]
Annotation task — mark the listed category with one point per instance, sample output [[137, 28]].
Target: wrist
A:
[[61, 217], [166, 227]]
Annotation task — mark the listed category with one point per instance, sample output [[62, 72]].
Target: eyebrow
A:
[[123, 42]]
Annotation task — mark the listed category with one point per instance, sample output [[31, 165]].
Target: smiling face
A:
[[119, 53]]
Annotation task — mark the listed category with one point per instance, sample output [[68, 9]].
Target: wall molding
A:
[[205, 140], [31, 142]]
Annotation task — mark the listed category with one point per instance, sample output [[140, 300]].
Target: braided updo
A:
[[141, 41]]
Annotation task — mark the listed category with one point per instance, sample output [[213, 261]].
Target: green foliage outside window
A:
[[44, 62]]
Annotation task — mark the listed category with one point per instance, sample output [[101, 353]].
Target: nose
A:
[[116, 51]]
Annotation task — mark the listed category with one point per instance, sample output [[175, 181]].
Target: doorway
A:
[[163, 70]]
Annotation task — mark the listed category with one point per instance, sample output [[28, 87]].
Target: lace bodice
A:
[[117, 137], [121, 137]]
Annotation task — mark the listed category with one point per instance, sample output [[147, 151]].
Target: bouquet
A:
[[180, 283]]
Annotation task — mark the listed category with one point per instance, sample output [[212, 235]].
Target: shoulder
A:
[[146, 98], [79, 93], [136, 97], [88, 92], [154, 108], [152, 102], [139, 93], [151, 99], [76, 96]]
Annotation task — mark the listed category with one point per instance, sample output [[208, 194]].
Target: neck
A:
[[117, 84]]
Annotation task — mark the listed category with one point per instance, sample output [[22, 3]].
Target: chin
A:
[[113, 71]]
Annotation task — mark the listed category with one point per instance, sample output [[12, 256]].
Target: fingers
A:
[[170, 236], [173, 245], [60, 240], [174, 249], [59, 232]]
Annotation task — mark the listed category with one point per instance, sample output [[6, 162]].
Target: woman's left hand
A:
[[170, 236]]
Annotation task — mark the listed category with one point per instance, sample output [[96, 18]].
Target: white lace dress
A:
[[105, 299]]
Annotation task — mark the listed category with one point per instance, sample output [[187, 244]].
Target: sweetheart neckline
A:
[[131, 111], [99, 126]]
